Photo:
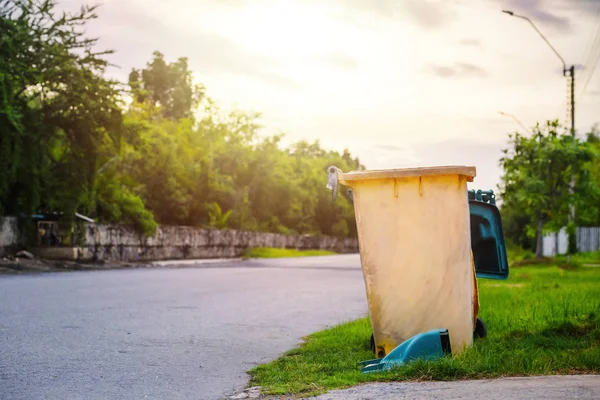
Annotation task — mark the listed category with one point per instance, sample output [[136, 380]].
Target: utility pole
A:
[[571, 71], [572, 245]]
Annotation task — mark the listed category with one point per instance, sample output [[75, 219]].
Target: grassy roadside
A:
[[267, 252], [545, 319]]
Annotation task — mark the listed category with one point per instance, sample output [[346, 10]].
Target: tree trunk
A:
[[539, 248]]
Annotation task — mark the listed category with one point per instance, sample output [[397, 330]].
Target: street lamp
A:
[[516, 120], [565, 69], [572, 75]]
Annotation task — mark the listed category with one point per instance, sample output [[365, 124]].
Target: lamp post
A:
[[571, 71]]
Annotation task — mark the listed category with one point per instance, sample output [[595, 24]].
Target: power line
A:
[[593, 55], [595, 64], [593, 35]]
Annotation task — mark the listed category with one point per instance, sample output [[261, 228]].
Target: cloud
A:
[[388, 147], [273, 78], [588, 8], [387, 156], [339, 60], [470, 42], [458, 70], [484, 156], [537, 11], [428, 14], [212, 53]]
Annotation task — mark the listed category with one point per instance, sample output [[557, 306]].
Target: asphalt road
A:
[[165, 333]]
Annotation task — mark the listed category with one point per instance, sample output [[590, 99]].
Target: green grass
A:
[[543, 320], [267, 252], [582, 259], [516, 254]]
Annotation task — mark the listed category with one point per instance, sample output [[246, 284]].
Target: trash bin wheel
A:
[[372, 343], [480, 329]]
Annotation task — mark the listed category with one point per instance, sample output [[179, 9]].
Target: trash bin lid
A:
[[469, 172]]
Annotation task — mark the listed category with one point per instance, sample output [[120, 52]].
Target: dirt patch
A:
[[568, 266], [533, 261]]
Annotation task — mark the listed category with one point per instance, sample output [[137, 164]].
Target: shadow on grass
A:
[[546, 261], [568, 336], [571, 330]]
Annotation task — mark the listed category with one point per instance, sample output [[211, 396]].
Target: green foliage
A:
[[514, 225], [167, 86], [587, 211], [218, 219], [191, 171], [265, 252], [517, 254], [535, 188], [68, 142], [117, 203], [542, 320]]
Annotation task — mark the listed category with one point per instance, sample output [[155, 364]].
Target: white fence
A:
[[555, 243], [588, 240]]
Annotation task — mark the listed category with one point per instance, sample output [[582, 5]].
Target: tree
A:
[[167, 86], [587, 209], [68, 143], [537, 175], [62, 120], [50, 88]]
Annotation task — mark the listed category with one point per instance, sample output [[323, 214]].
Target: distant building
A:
[[49, 230]]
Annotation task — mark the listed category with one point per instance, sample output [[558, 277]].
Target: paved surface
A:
[[165, 333], [547, 387]]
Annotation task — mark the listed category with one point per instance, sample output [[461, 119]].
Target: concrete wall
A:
[[9, 235], [58, 253], [120, 242]]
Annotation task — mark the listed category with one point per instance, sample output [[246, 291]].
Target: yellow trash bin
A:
[[415, 249]]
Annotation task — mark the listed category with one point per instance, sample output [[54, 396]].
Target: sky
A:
[[405, 83]]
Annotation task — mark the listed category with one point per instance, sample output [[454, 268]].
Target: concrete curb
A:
[[166, 263], [533, 387]]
